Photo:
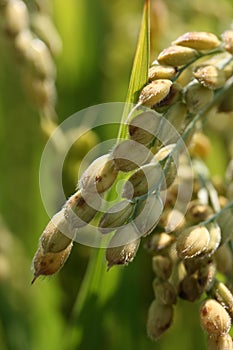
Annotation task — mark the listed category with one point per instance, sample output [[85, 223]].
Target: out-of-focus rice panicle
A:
[[16, 17]]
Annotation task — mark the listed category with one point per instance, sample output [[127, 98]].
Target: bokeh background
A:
[[99, 40]]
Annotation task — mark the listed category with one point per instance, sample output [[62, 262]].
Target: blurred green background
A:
[[99, 40]]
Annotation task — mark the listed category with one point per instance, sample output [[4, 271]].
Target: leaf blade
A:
[[139, 73]]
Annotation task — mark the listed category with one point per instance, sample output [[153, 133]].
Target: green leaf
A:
[[139, 74]]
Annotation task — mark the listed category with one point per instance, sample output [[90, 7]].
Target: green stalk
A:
[[216, 215], [200, 55]]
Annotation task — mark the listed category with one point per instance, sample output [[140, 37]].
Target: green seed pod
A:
[[223, 295], [198, 40], [57, 235], [162, 266], [214, 318], [148, 215], [99, 176], [161, 72], [155, 92], [123, 245], [49, 263], [116, 216], [40, 59], [165, 293], [159, 241], [227, 38], [146, 178], [197, 97], [221, 342], [190, 288], [210, 76], [159, 319], [79, 212], [192, 241], [177, 56], [129, 155], [16, 17], [144, 127]]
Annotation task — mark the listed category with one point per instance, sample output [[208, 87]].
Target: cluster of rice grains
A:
[[188, 260], [34, 42], [189, 251]]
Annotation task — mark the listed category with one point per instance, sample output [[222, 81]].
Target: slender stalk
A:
[[200, 55], [91, 281], [205, 182], [216, 215]]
